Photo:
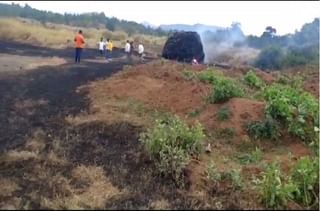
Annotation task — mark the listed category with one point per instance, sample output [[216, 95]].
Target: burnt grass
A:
[[115, 147]]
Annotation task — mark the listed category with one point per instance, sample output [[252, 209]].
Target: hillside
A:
[[61, 36]]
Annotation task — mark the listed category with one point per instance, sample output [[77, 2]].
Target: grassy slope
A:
[[59, 36]]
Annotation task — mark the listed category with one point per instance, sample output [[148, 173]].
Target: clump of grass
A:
[[223, 114], [227, 133], [252, 157]]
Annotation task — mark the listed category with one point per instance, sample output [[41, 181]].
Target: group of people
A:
[[129, 48], [105, 48]]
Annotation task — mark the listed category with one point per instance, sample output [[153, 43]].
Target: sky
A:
[[285, 16]]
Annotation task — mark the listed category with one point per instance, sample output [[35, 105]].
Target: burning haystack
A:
[[183, 46]]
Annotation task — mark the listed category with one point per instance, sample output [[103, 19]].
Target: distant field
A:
[[61, 36]]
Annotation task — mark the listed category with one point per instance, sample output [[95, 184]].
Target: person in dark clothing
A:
[[131, 48]]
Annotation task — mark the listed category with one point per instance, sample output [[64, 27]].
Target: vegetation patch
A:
[[296, 109], [254, 156], [252, 80], [266, 129], [223, 114], [171, 143], [300, 186]]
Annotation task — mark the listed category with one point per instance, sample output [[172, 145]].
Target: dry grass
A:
[[7, 187], [94, 195], [60, 36]]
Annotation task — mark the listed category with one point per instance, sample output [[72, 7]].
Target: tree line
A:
[[82, 20]]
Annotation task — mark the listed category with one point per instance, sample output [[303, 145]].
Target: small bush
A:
[[275, 188], [209, 76], [296, 109], [252, 80], [171, 143], [305, 175], [267, 129], [223, 114], [224, 89]]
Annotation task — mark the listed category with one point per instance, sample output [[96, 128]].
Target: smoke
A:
[[226, 45]]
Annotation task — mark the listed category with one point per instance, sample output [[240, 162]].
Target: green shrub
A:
[[275, 188], [223, 114], [267, 129], [171, 143], [224, 89], [305, 175], [252, 80], [297, 109], [209, 76]]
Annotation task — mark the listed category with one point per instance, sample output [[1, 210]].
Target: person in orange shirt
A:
[[79, 42]]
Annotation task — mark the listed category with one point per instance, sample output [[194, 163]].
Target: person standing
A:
[[101, 47], [127, 49], [109, 49], [106, 47], [79, 44], [140, 51], [131, 48]]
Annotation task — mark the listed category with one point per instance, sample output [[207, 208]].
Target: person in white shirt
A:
[[127, 49], [101, 46], [140, 51]]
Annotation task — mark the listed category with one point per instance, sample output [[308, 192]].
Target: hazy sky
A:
[[285, 16]]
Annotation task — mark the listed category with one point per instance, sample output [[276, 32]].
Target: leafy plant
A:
[[305, 175], [171, 143], [253, 80], [297, 109], [224, 89], [276, 189], [223, 114], [266, 129]]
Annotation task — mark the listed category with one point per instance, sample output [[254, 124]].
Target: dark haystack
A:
[[183, 46]]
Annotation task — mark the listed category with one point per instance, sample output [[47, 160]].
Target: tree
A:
[[270, 58]]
